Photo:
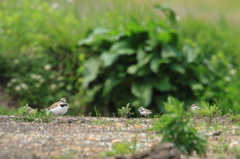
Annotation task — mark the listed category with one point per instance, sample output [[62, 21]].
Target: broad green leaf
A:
[[143, 58], [92, 37], [132, 69], [190, 52], [100, 31], [168, 12], [177, 68], [88, 41], [170, 52], [90, 71], [109, 84], [155, 63], [91, 92], [143, 91], [197, 86], [124, 51], [151, 44], [143, 71], [120, 45], [108, 59], [163, 84]]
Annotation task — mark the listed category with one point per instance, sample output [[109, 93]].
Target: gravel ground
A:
[[83, 137], [86, 137]]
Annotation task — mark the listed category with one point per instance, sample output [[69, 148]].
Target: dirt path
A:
[[81, 137], [86, 137]]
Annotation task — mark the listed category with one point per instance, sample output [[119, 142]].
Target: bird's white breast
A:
[[59, 110], [145, 113]]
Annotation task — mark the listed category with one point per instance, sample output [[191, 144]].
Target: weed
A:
[[7, 111], [125, 111], [68, 155], [236, 151], [101, 122], [122, 149], [157, 115], [97, 112], [176, 127], [27, 114], [208, 110], [133, 122], [235, 118]]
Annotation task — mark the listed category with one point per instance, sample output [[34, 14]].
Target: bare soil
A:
[[87, 137]]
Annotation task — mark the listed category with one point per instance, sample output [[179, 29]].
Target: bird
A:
[[59, 108], [144, 111], [194, 107]]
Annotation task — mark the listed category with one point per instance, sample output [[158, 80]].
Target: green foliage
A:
[[38, 54], [142, 64], [175, 127], [97, 112], [219, 49], [27, 114], [122, 148], [208, 110], [125, 111], [136, 53], [101, 122], [7, 111], [34, 78]]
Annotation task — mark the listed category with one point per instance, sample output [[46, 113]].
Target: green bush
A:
[[175, 126], [125, 111], [39, 57], [27, 114], [143, 64], [208, 110], [220, 47], [34, 80]]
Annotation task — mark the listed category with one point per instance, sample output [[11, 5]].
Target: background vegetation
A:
[[50, 50]]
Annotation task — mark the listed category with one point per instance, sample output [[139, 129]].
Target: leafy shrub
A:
[[209, 110], [221, 49], [38, 51], [33, 78], [175, 127], [27, 114], [125, 111], [122, 148], [143, 64]]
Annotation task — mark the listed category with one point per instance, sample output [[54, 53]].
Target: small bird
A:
[[194, 107], [144, 111], [59, 108]]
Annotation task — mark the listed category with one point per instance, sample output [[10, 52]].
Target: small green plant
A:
[[208, 110], [97, 112], [101, 122], [125, 111], [234, 118], [27, 114], [157, 115], [122, 148], [7, 111], [175, 127]]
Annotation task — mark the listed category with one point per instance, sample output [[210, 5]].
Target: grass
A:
[[7, 111]]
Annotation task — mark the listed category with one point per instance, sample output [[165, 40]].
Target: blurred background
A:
[[109, 53]]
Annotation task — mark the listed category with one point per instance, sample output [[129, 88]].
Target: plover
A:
[[59, 108], [144, 111], [194, 107]]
